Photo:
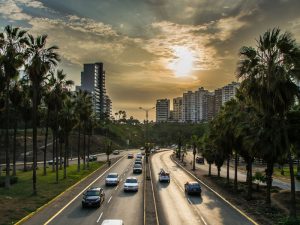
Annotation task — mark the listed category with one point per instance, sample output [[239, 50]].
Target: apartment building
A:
[[162, 110]]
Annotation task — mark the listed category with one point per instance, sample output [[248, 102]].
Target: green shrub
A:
[[289, 221], [13, 180]]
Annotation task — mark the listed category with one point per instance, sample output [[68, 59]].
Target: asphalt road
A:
[[117, 204], [242, 175], [176, 208]]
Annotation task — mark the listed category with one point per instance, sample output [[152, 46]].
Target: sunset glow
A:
[[182, 64]]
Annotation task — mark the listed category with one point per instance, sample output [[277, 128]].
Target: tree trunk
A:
[[249, 179], [15, 149], [57, 159], [25, 147], [194, 158], [88, 151], [293, 190], [219, 170], [45, 145], [34, 136], [60, 154], [84, 147], [235, 171], [53, 149], [209, 169], [66, 155], [269, 173], [78, 150], [227, 175], [7, 158]]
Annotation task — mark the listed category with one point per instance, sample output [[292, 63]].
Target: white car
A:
[[112, 222], [139, 156], [112, 179], [131, 184]]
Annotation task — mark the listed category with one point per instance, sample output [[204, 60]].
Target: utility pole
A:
[[147, 144]]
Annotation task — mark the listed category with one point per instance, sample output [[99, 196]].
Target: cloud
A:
[[11, 11]]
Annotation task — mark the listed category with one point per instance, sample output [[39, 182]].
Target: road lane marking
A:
[[109, 199], [216, 193], [80, 193], [116, 187], [99, 217], [198, 213]]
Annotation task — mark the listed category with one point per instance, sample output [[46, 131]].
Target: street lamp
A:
[[147, 114]]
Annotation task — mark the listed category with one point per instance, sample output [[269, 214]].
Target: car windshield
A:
[[112, 176], [194, 185], [137, 166], [92, 193], [131, 181]]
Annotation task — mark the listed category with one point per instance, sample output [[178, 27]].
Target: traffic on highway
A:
[[117, 197]]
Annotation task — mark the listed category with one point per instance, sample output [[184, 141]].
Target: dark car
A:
[[93, 197], [137, 168], [192, 188], [199, 160], [92, 158]]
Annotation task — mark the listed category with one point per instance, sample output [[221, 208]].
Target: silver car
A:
[[112, 179]]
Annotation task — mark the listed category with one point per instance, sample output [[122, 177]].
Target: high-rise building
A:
[[162, 110], [229, 91], [93, 81], [201, 104], [210, 106], [218, 100], [188, 107], [177, 109], [108, 106]]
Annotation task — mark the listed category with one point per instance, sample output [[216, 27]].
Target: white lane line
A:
[[80, 193], [216, 193], [99, 217], [203, 220], [121, 179], [109, 199], [116, 187]]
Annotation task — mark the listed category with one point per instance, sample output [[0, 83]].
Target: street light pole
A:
[[147, 144]]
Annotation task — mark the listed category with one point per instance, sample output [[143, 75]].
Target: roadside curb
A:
[[216, 193], [69, 188]]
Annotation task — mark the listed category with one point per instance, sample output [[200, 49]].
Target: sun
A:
[[182, 64]]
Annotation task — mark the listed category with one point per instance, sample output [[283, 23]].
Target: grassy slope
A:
[[18, 201]]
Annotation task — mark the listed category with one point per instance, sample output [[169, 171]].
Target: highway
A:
[[127, 206], [177, 208]]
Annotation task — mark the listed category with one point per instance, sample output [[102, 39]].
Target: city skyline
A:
[[152, 49]]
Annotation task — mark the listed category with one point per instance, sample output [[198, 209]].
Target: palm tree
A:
[[67, 121], [41, 61], [194, 142], [11, 48], [268, 73], [16, 99], [83, 109], [26, 111]]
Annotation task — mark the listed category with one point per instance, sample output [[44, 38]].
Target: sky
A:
[[152, 49]]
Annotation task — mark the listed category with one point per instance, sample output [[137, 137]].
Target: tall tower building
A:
[[162, 110], [201, 104], [229, 91], [188, 107], [218, 100], [177, 109], [93, 81]]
